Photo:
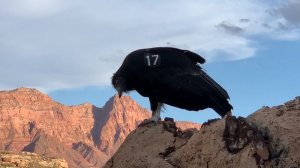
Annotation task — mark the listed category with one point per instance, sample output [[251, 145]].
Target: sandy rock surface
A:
[[29, 160], [274, 142]]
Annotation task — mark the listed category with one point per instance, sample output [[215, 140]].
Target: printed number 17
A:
[[149, 60]]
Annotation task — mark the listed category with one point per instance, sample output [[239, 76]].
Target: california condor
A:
[[170, 76]]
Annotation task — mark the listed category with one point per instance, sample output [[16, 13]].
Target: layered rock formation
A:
[[84, 135], [163, 145], [29, 160]]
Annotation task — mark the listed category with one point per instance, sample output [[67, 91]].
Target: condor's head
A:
[[121, 83]]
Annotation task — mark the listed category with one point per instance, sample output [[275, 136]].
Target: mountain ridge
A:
[[88, 135]]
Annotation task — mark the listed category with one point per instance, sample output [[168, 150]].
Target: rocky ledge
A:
[[267, 138]]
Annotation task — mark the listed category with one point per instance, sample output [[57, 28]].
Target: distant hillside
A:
[[29, 160], [84, 135]]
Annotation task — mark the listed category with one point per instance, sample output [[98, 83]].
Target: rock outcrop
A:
[[273, 142], [29, 160], [183, 125], [84, 135]]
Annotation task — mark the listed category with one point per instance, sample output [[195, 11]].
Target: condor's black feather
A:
[[171, 76]]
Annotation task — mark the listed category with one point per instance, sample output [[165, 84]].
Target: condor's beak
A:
[[119, 89], [120, 94]]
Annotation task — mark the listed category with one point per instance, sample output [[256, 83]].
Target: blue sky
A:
[[69, 49], [268, 79]]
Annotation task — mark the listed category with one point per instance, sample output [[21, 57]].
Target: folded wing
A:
[[195, 91]]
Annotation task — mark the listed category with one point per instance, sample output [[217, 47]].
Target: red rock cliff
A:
[[84, 135]]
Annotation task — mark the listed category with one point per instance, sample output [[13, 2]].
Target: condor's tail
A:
[[219, 98]]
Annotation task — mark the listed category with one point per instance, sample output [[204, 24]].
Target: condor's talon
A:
[[228, 115]]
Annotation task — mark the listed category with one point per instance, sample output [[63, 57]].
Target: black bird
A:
[[171, 76]]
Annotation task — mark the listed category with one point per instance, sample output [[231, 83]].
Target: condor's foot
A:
[[149, 122], [228, 115]]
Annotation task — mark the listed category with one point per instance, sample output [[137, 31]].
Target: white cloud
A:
[[290, 11], [54, 44], [30, 8]]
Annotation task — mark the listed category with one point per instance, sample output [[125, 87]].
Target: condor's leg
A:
[[155, 108]]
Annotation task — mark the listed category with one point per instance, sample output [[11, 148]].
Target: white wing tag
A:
[[152, 60]]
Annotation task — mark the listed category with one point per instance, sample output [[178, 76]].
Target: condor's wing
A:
[[194, 57], [195, 92]]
